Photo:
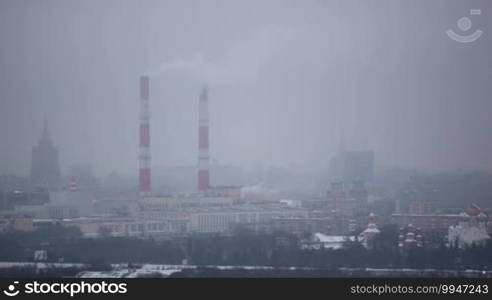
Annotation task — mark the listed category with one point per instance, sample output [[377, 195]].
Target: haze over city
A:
[[214, 138], [286, 80]]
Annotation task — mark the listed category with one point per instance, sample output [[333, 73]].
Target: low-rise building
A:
[[367, 236], [471, 230], [126, 227], [224, 220]]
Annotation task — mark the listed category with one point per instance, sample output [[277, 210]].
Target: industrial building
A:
[[211, 209], [208, 209]]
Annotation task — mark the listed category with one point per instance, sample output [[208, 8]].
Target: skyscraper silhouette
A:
[[45, 168]]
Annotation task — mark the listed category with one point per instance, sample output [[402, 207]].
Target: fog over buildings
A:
[[285, 80], [253, 138]]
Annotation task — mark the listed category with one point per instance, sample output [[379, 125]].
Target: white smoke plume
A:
[[242, 62]]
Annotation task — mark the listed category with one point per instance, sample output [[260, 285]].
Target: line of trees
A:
[[241, 248]]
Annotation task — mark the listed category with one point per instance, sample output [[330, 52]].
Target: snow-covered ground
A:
[[124, 271], [156, 270]]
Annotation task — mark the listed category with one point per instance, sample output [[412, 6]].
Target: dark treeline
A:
[[241, 248]]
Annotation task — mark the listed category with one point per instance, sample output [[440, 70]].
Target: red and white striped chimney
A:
[[203, 151], [144, 156]]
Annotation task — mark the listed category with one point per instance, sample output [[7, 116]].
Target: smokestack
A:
[[203, 151], [144, 156]]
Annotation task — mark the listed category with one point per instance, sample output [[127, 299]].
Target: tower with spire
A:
[[45, 168]]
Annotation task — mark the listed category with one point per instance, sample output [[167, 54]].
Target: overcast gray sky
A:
[[285, 79]]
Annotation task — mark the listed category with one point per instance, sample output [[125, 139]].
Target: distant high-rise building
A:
[[353, 166], [45, 168], [348, 199]]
